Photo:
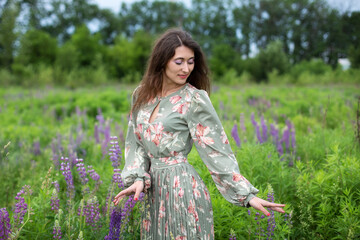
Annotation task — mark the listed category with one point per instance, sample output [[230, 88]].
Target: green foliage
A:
[[88, 47], [37, 47], [329, 198], [272, 58], [320, 190], [354, 56], [129, 57], [8, 34]]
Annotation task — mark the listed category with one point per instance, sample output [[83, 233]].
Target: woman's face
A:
[[179, 67]]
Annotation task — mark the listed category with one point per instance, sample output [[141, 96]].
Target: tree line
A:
[[252, 36]]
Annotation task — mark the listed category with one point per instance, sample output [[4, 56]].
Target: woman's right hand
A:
[[137, 187]]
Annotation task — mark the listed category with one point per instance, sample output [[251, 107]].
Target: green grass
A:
[[321, 188]]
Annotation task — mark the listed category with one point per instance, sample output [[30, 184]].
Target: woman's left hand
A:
[[260, 204]]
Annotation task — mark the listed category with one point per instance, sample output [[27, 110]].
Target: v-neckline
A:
[[158, 102]]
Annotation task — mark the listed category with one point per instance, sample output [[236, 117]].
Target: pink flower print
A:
[[166, 228], [180, 238], [181, 108], [176, 182], [224, 137], [162, 209], [181, 192], [156, 133], [200, 134], [147, 134], [167, 196], [146, 225], [183, 230], [237, 177], [138, 130], [194, 183], [196, 193], [191, 210], [175, 99], [207, 196]]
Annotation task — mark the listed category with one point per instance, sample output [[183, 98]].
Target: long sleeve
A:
[[214, 149], [136, 160]]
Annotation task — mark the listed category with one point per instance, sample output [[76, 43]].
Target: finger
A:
[[278, 209], [124, 192], [259, 206], [137, 194]]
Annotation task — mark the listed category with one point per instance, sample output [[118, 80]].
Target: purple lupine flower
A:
[[235, 135], [115, 224], [264, 129], [54, 201], [96, 133], [21, 207], [286, 139], [115, 152], [36, 148], [91, 212], [79, 135], [271, 220], [56, 186], [222, 107], [117, 177], [66, 172], [5, 226], [81, 170], [57, 230], [94, 176], [232, 236], [292, 136], [257, 128], [242, 122]]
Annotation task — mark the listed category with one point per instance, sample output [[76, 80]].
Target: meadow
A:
[[61, 154]]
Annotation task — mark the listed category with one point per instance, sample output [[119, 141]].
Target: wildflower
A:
[[36, 148], [21, 207], [91, 212], [232, 235], [115, 152], [81, 170], [235, 135], [94, 176], [5, 227], [242, 122], [257, 128], [264, 129], [115, 224], [80, 237], [65, 169], [54, 201], [117, 177], [57, 230]]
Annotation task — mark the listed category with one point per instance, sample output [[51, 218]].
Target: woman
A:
[[171, 110]]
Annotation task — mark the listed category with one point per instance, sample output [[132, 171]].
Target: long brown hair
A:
[[163, 51]]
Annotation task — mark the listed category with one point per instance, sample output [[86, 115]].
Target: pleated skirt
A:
[[177, 205]]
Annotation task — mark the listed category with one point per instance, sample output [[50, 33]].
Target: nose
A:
[[186, 67]]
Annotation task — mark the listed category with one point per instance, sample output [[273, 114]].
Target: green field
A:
[[317, 175]]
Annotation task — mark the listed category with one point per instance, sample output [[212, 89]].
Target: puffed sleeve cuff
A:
[[247, 200], [129, 179]]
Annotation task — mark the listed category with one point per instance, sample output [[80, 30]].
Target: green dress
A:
[[177, 202]]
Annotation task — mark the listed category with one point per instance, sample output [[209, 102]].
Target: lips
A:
[[184, 76]]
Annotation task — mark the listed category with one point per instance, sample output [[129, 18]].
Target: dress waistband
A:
[[166, 162]]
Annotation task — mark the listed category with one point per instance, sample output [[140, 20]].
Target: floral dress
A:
[[177, 203]]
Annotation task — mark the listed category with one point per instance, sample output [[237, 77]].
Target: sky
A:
[[342, 5]]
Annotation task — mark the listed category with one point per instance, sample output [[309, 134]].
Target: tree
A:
[[8, 35], [88, 47], [37, 47]]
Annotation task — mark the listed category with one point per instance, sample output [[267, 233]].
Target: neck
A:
[[168, 89]]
